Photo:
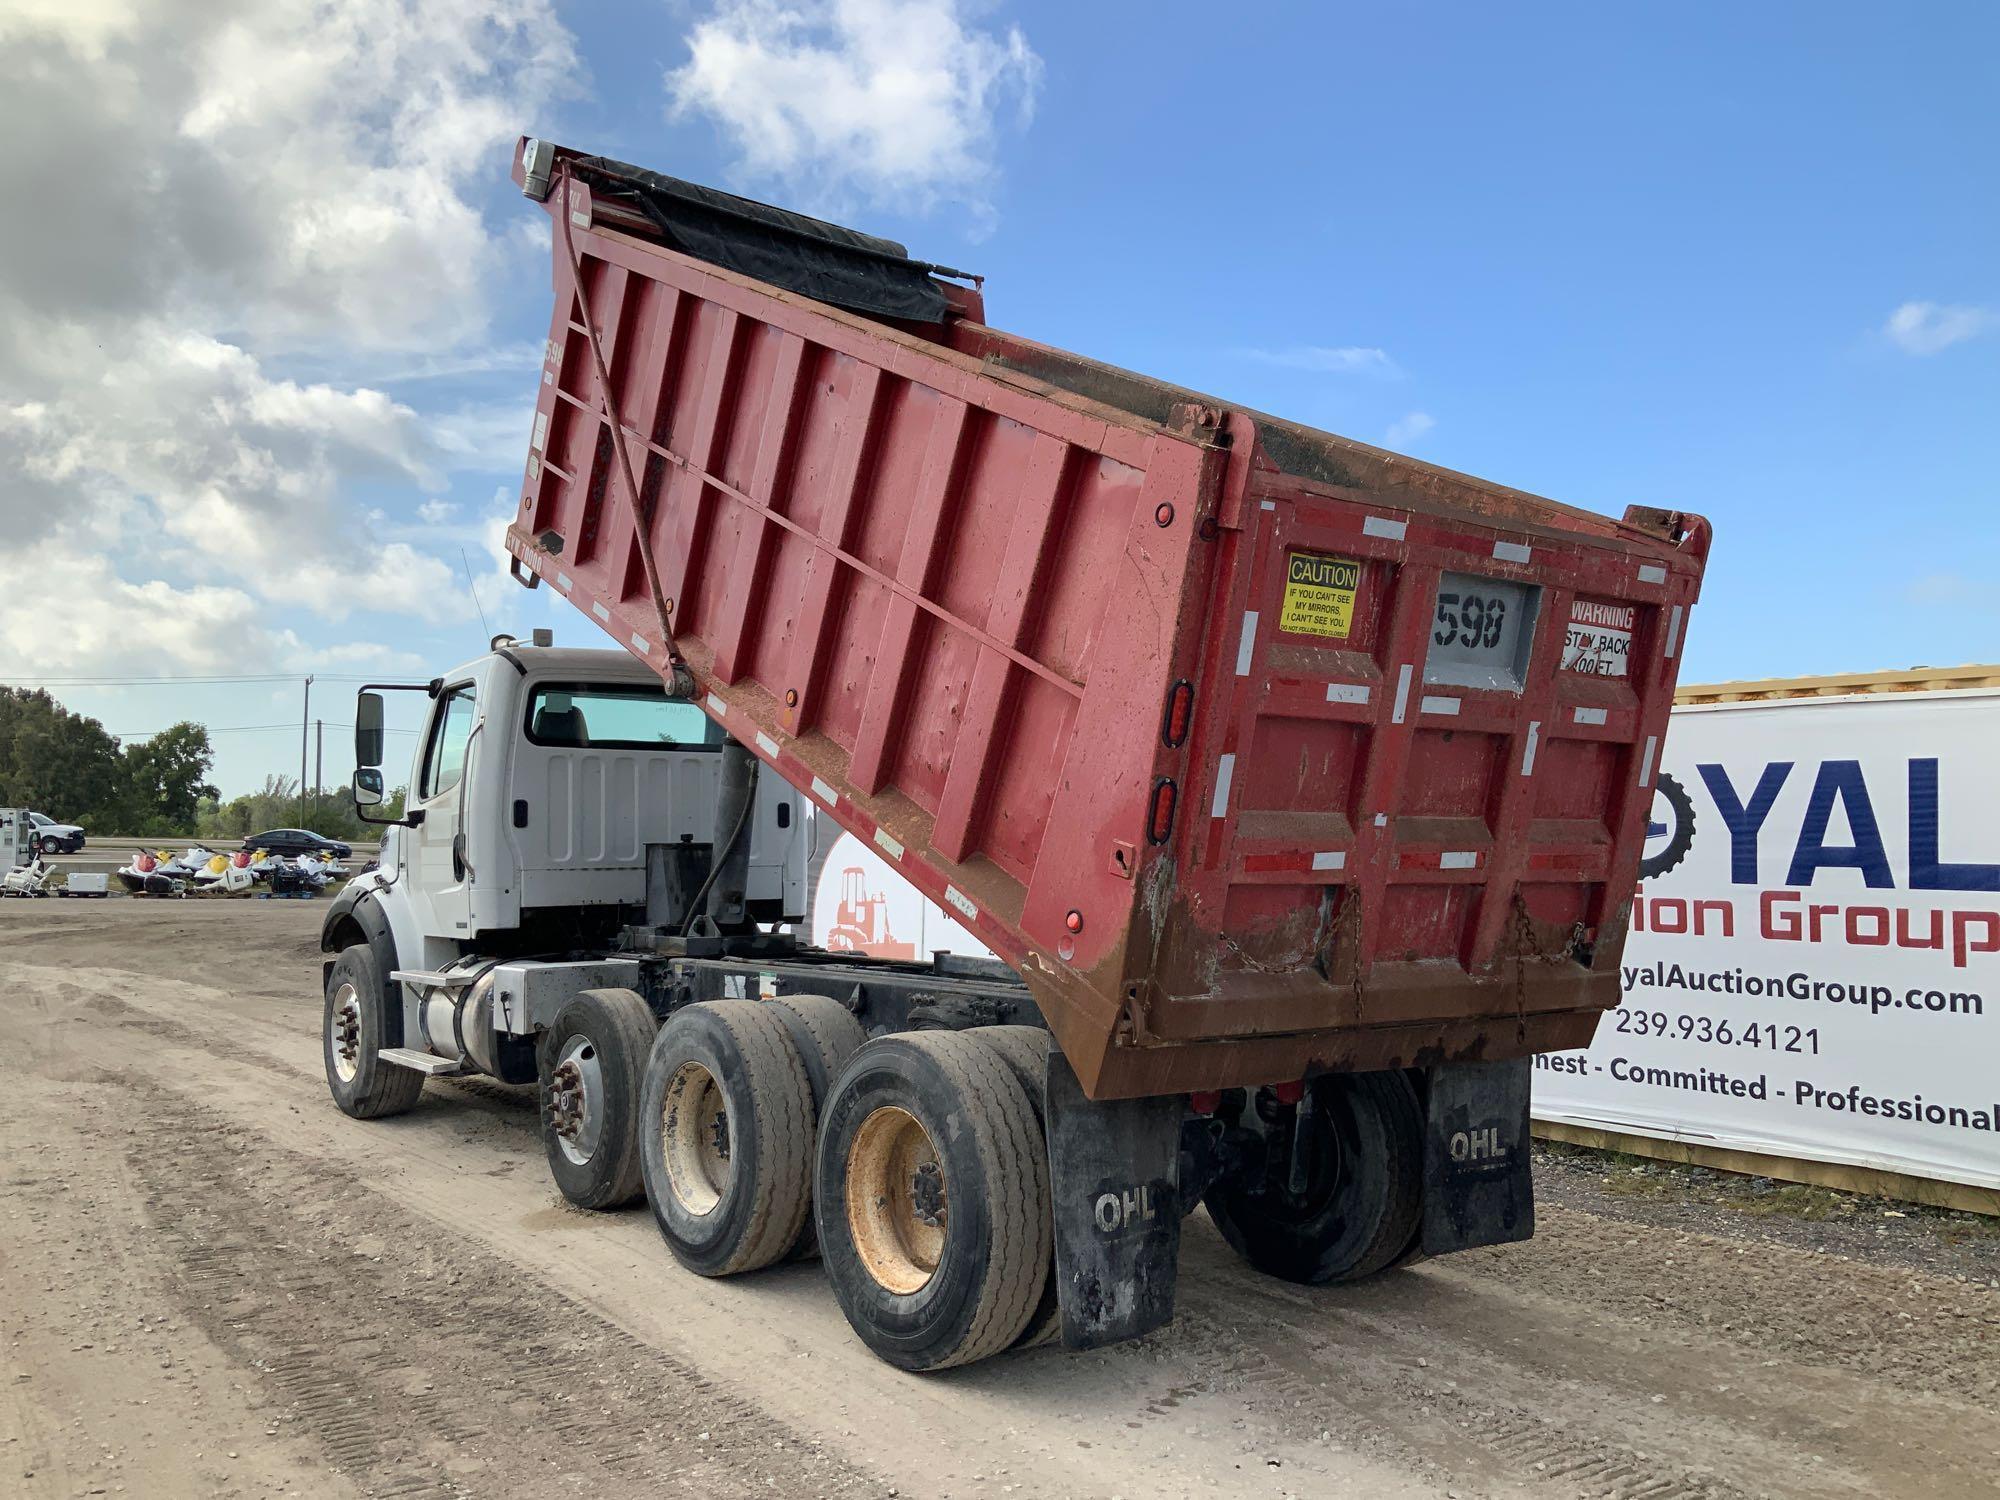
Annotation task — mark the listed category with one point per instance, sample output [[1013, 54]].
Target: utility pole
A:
[[319, 756], [305, 726]]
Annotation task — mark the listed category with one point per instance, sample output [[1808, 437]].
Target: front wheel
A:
[[931, 1194], [592, 1067], [1363, 1186], [355, 1029]]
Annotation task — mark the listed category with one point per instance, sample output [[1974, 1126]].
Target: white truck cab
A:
[[540, 777]]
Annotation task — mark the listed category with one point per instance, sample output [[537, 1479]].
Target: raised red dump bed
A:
[[1256, 751]]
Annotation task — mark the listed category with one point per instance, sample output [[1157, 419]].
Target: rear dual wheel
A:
[[1361, 1205], [732, 1094], [932, 1199]]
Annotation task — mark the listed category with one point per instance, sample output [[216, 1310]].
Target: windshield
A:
[[580, 716]]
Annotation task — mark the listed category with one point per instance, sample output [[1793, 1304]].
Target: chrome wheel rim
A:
[[576, 1099], [344, 1026]]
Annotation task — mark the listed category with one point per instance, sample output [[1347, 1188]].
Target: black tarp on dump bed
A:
[[827, 262]]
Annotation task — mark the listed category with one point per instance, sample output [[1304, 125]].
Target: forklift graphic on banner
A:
[[861, 921]]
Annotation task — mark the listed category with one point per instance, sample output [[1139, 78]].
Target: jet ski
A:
[[133, 876]]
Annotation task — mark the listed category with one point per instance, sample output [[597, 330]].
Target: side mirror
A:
[[368, 737], [367, 786]]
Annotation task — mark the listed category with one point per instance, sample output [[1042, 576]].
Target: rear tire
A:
[[825, 1035], [592, 1067], [1025, 1049], [1364, 1196], [932, 1199], [726, 1128], [353, 1032]]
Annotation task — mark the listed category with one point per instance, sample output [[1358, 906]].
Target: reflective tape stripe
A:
[[1246, 644], [889, 845], [1528, 754], [1385, 528], [1514, 552], [716, 705], [1652, 573], [964, 906], [1332, 859], [1402, 695], [1673, 631], [1646, 761], [768, 745], [1458, 859], [1438, 704], [1225, 771], [1347, 692], [824, 792], [641, 645], [1590, 716], [599, 610]]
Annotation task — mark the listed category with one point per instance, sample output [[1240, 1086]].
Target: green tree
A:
[[166, 779], [55, 761]]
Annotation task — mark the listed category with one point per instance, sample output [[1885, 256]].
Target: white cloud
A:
[[221, 193], [436, 512], [1951, 590], [893, 102], [1928, 327], [1407, 429], [1326, 360]]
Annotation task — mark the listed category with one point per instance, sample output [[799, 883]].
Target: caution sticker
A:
[[1319, 594]]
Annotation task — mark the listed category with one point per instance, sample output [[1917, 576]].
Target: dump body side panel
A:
[[951, 596]]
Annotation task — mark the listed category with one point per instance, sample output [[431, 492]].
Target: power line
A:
[[238, 729], [166, 677]]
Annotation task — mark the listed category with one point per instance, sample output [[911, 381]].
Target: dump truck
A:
[[1299, 788]]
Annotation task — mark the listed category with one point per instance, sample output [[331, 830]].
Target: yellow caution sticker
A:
[[1319, 594]]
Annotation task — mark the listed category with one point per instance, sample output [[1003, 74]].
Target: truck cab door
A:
[[434, 853]]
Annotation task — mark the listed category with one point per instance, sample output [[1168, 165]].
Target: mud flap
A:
[[1479, 1186], [1114, 1170]]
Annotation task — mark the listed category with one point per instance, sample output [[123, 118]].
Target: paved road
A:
[[217, 1285]]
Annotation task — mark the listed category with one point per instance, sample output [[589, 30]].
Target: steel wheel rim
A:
[[898, 1209], [576, 1099], [345, 1028], [694, 1132]]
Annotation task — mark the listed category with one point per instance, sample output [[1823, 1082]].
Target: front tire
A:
[[1364, 1191], [932, 1199], [354, 1030], [592, 1069]]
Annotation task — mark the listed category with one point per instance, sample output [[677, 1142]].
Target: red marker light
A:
[[1074, 921], [1290, 1093], [1160, 820], [1180, 712]]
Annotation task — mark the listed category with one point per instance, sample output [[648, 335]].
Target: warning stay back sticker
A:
[[1319, 594], [1599, 642]]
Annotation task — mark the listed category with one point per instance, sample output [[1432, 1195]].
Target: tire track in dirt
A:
[[423, 1366]]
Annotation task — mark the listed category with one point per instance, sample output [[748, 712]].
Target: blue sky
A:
[[1736, 260]]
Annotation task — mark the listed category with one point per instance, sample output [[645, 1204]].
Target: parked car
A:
[[292, 842], [51, 837]]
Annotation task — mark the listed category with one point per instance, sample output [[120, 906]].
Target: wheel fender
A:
[[1114, 1182]]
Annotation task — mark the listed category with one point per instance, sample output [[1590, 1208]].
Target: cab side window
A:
[[451, 730]]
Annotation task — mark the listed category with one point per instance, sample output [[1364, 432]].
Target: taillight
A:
[[1180, 712], [1160, 820]]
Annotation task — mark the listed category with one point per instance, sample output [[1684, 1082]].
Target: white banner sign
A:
[[1814, 963], [863, 905]]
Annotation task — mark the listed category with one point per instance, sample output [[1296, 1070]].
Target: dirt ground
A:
[[214, 1284]]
